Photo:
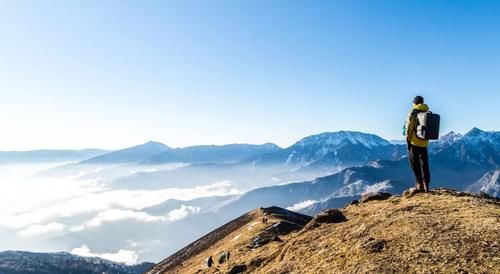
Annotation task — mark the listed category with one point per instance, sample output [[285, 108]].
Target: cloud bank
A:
[[301, 205], [128, 257]]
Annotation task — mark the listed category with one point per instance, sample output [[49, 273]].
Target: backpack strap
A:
[[413, 116]]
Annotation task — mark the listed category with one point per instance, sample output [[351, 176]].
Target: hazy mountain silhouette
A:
[[17, 262]]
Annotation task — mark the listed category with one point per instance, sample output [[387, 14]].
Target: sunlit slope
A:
[[440, 232]]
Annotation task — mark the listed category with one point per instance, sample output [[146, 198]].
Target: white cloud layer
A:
[[44, 212], [128, 257], [97, 199], [378, 187], [301, 205], [182, 212], [117, 215]]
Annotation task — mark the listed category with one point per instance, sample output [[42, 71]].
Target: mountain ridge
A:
[[130, 154], [211, 153]]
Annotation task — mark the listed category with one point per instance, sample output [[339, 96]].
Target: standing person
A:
[[417, 147], [210, 261]]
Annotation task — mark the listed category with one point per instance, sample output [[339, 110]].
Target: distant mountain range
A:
[[21, 262], [322, 150], [340, 149], [363, 160], [211, 153], [464, 158], [154, 153], [313, 156]]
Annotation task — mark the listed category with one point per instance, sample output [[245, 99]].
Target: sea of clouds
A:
[[43, 214]]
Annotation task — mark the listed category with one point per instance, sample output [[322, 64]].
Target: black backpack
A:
[[427, 125]]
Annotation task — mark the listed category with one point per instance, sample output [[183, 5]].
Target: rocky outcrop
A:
[[374, 245], [328, 216], [273, 232], [375, 196]]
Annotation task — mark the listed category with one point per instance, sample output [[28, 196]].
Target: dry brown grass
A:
[[440, 232]]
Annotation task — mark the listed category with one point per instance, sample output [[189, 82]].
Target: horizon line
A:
[[224, 144]]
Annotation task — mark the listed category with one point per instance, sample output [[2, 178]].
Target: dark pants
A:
[[419, 162]]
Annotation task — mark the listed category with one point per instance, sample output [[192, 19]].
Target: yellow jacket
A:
[[410, 126]]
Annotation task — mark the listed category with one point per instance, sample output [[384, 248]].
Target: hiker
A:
[[224, 257], [417, 146], [210, 261]]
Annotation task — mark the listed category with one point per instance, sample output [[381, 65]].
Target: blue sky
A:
[[111, 74]]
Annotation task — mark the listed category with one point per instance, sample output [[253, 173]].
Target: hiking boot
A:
[[420, 187], [426, 186], [410, 192]]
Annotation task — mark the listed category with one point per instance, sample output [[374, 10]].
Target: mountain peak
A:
[[339, 137], [451, 137], [152, 143], [130, 154], [476, 135], [474, 131]]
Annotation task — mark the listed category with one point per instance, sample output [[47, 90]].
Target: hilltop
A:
[[443, 231]]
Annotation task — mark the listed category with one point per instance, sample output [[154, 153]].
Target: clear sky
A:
[[111, 74]]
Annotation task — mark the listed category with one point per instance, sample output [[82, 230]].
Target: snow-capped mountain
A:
[[445, 141], [333, 149], [479, 137], [489, 184], [333, 139], [477, 151]]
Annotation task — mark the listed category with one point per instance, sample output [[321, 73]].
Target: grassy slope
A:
[[441, 232]]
